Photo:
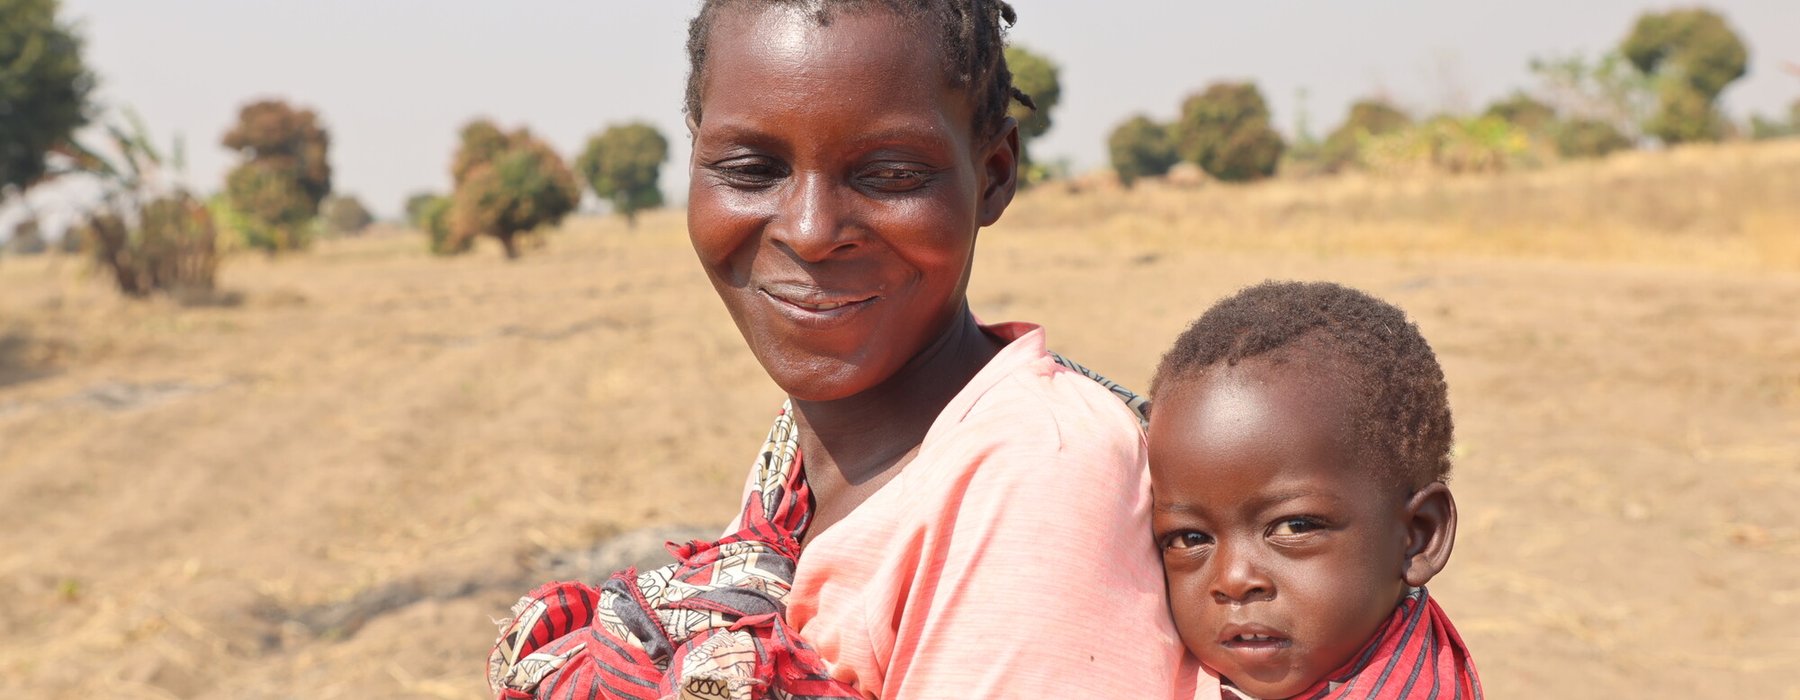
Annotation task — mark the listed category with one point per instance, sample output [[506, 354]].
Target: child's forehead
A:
[[1261, 411]]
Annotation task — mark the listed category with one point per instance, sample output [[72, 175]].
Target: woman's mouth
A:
[[814, 307]]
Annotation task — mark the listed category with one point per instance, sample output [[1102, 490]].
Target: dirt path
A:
[[326, 486]]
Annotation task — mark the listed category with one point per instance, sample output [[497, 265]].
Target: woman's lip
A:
[[815, 299], [819, 311]]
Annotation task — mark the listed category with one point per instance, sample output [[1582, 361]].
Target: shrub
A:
[[1588, 138], [1695, 55], [170, 249], [1368, 118], [1449, 145], [345, 215], [284, 174], [621, 165], [521, 187], [1524, 111], [1225, 130], [1140, 147]]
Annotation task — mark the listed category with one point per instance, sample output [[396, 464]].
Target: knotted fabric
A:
[[711, 626], [1415, 655]]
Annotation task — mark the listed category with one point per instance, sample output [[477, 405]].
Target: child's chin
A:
[[1268, 688]]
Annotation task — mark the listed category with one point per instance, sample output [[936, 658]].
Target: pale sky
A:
[[394, 79]]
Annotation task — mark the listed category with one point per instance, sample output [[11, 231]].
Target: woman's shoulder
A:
[[1037, 411]]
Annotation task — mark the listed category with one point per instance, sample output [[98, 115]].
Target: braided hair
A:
[[1399, 398], [974, 43]]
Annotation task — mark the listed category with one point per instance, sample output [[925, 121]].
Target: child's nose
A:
[[811, 220], [1239, 579]]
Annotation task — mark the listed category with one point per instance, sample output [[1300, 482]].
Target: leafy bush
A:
[[1449, 145], [1694, 55], [521, 186], [150, 233], [1140, 147], [170, 249], [283, 177], [345, 215], [1588, 138], [622, 165], [1524, 111], [1225, 130], [434, 220], [1368, 118]]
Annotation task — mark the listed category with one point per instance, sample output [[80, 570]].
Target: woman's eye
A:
[[1295, 526], [1188, 540], [895, 179], [749, 171]]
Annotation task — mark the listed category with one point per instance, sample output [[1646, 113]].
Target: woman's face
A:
[[835, 191]]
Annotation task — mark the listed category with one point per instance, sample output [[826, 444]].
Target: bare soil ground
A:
[[326, 481]]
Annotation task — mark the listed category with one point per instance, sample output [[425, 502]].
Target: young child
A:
[[1299, 445]]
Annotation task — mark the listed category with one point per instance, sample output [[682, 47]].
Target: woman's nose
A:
[[811, 219], [1239, 578]]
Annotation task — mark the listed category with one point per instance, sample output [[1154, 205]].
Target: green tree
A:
[[44, 88], [283, 176], [1225, 130], [1367, 118], [1694, 55], [1140, 148], [622, 165], [1039, 78], [345, 214], [522, 186]]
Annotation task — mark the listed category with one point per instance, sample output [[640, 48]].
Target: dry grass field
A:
[[326, 481]]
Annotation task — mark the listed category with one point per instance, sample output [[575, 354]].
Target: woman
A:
[[978, 520]]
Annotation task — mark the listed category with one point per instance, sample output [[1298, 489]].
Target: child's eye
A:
[[1289, 527], [1187, 540]]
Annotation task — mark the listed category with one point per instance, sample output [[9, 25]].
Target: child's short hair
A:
[[1396, 386]]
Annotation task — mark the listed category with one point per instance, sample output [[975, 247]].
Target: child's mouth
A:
[[1256, 641], [1253, 638]]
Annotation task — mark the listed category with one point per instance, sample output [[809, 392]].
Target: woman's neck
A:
[[852, 446]]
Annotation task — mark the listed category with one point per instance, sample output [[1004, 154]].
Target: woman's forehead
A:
[[774, 58]]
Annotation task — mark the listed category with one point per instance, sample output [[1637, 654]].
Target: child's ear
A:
[[1000, 172], [1430, 532]]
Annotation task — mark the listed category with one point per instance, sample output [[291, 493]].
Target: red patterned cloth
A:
[[1415, 655], [708, 627]]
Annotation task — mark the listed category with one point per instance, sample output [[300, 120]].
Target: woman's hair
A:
[[974, 46], [1394, 383]]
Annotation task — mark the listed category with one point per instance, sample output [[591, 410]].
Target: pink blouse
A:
[[1012, 558]]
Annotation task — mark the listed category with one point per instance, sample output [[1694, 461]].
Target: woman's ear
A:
[[1430, 532], [1000, 172]]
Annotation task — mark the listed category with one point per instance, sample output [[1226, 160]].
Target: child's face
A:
[[1283, 555], [835, 191]]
